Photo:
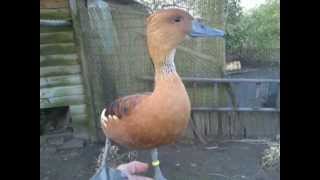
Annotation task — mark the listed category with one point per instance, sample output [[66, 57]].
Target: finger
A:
[[135, 177], [134, 167], [139, 167]]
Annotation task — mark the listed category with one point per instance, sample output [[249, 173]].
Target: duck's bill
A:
[[201, 30]]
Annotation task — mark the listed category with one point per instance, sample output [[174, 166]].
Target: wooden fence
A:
[[235, 121]]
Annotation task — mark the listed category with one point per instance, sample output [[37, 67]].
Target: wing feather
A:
[[124, 105]]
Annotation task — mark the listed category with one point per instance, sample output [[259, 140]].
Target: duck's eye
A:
[[177, 19]]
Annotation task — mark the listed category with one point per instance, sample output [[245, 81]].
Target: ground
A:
[[214, 161]]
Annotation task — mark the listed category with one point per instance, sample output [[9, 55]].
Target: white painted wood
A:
[[59, 70], [61, 101], [61, 91], [60, 80]]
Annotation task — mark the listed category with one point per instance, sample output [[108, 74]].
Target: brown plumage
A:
[[124, 105], [145, 121]]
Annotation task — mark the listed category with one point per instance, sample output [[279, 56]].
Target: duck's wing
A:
[[124, 105]]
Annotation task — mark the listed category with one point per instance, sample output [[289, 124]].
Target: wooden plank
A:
[[257, 102], [258, 125], [59, 70], [215, 120], [56, 37], [188, 134], [55, 23], [220, 80], [61, 101], [55, 29], [226, 125], [60, 81], [52, 4], [216, 93], [239, 109], [79, 14], [198, 120], [57, 48], [278, 97], [236, 127], [195, 127], [58, 59], [77, 109], [61, 13], [61, 91]]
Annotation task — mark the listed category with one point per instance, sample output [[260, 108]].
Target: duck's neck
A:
[[166, 68], [166, 77]]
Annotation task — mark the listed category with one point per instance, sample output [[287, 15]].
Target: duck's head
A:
[[167, 28]]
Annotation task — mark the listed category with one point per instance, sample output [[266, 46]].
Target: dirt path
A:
[[222, 161]]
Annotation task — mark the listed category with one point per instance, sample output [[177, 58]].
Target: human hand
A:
[[134, 167]]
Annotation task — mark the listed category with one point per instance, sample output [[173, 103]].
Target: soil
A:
[[214, 161]]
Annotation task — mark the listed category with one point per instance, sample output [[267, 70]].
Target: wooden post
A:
[[73, 4], [278, 97], [92, 66], [194, 125], [217, 104], [257, 103], [216, 93], [278, 104], [233, 116]]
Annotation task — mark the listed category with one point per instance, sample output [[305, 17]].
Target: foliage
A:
[[234, 14], [262, 26], [258, 28], [197, 8]]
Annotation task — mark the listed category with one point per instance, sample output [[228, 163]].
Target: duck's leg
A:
[[105, 152], [132, 155], [156, 164]]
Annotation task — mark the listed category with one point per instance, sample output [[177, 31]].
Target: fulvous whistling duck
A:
[[149, 120]]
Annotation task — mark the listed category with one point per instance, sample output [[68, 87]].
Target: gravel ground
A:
[[214, 161]]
